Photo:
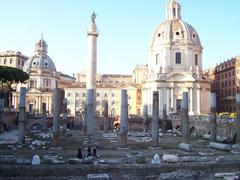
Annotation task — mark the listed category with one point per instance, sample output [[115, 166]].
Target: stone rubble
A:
[[156, 159], [228, 176], [36, 160], [170, 158]]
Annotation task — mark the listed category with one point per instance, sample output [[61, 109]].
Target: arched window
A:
[[178, 58]]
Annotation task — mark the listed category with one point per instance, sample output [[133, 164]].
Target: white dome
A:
[[40, 61], [175, 45], [174, 31]]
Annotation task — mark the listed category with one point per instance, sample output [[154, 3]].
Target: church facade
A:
[[175, 66], [43, 78]]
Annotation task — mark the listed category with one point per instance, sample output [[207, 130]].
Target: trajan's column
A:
[[92, 35]]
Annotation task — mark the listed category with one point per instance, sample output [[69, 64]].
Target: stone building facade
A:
[[76, 98], [13, 59], [225, 79], [175, 66]]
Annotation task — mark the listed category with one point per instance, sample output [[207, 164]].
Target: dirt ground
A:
[[133, 162]]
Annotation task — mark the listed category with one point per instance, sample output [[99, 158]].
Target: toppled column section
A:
[[219, 146]]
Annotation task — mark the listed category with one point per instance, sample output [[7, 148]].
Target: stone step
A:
[[98, 177]]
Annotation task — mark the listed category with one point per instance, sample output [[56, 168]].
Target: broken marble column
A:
[[220, 146], [238, 119], [44, 117], [155, 119], [145, 117], [124, 118], [64, 114], [185, 118], [21, 117], [164, 119], [213, 120], [105, 116], [56, 117], [185, 147], [1, 114]]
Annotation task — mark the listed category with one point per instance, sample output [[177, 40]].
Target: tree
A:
[[10, 75]]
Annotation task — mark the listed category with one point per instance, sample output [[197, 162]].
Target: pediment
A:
[[180, 77]]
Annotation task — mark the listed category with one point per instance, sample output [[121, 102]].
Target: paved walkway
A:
[[9, 137]]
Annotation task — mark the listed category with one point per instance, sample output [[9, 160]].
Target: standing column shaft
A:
[[1, 114], [213, 108], [124, 118], [164, 119], [155, 119], [56, 117], [185, 118], [172, 99], [21, 117], [190, 101], [44, 116], [90, 117], [238, 119], [145, 117], [92, 35], [106, 120], [84, 122], [64, 114], [198, 101]]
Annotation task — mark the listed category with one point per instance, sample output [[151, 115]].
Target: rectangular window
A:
[[196, 59], [18, 61], [178, 58], [83, 94]]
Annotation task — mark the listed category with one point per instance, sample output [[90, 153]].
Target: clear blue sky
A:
[[125, 28]]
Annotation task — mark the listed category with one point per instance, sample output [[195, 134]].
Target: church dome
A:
[[40, 62], [174, 30]]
